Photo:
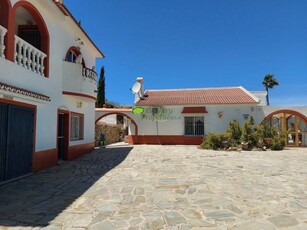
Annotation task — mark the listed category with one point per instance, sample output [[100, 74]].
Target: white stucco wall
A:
[[63, 33], [261, 95], [110, 119], [175, 125], [87, 109]]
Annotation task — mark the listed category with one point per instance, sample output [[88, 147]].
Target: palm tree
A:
[[269, 82]]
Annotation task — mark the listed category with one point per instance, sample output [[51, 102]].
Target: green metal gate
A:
[[16, 140]]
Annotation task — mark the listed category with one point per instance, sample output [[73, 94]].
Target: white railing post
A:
[[35, 65], [40, 60], [24, 48], [28, 56], [2, 45], [18, 55]]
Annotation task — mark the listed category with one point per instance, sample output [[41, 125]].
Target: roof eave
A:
[[66, 12]]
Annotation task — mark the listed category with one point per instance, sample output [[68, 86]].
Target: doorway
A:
[[16, 140], [62, 136], [294, 125]]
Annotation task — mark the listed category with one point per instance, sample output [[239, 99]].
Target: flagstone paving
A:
[[163, 187]]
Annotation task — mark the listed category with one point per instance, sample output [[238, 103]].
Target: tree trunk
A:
[[267, 96]]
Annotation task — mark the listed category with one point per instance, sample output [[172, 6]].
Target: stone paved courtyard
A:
[[163, 187]]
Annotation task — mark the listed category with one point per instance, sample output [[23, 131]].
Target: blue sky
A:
[[199, 44]]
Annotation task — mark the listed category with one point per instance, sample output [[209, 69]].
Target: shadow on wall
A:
[[38, 199]]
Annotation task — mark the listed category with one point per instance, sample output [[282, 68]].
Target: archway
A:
[[132, 136], [28, 24], [293, 123]]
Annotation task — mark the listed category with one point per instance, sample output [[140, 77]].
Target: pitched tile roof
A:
[[231, 95]]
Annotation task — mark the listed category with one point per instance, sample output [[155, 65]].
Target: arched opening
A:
[[293, 123], [32, 41], [132, 126], [74, 55], [5, 9]]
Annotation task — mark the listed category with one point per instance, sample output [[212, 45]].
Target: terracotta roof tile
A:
[[231, 95]]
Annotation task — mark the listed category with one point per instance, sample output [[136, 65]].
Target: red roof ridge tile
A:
[[198, 96], [183, 89], [250, 94]]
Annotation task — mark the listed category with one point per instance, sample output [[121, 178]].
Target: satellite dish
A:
[[136, 87]]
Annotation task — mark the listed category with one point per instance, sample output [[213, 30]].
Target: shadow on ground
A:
[[38, 199]]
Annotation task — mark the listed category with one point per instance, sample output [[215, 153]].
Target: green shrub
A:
[[267, 134], [278, 143], [248, 135], [235, 132], [265, 130], [216, 141], [268, 142], [212, 141], [268, 131], [225, 140]]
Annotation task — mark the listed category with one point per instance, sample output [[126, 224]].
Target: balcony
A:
[[78, 80], [28, 56], [25, 54], [3, 32]]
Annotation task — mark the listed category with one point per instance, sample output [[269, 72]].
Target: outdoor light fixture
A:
[[245, 116], [79, 41]]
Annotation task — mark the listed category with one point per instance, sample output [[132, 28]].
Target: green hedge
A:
[[249, 136]]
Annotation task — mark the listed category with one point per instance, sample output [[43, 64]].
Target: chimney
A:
[[140, 95]]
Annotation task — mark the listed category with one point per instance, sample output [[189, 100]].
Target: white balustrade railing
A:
[[89, 73], [28, 56], [2, 45]]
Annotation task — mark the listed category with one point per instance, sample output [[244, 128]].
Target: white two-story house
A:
[[47, 86]]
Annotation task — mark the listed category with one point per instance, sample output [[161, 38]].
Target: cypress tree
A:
[[101, 90]]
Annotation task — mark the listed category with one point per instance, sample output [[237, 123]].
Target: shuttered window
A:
[[194, 126]]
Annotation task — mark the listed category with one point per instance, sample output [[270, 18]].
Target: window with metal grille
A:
[[194, 126], [77, 123]]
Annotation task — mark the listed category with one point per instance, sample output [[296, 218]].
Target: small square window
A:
[[77, 124], [194, 126]]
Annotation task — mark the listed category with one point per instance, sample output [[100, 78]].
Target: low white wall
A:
[[173, 122], [73, 81]]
